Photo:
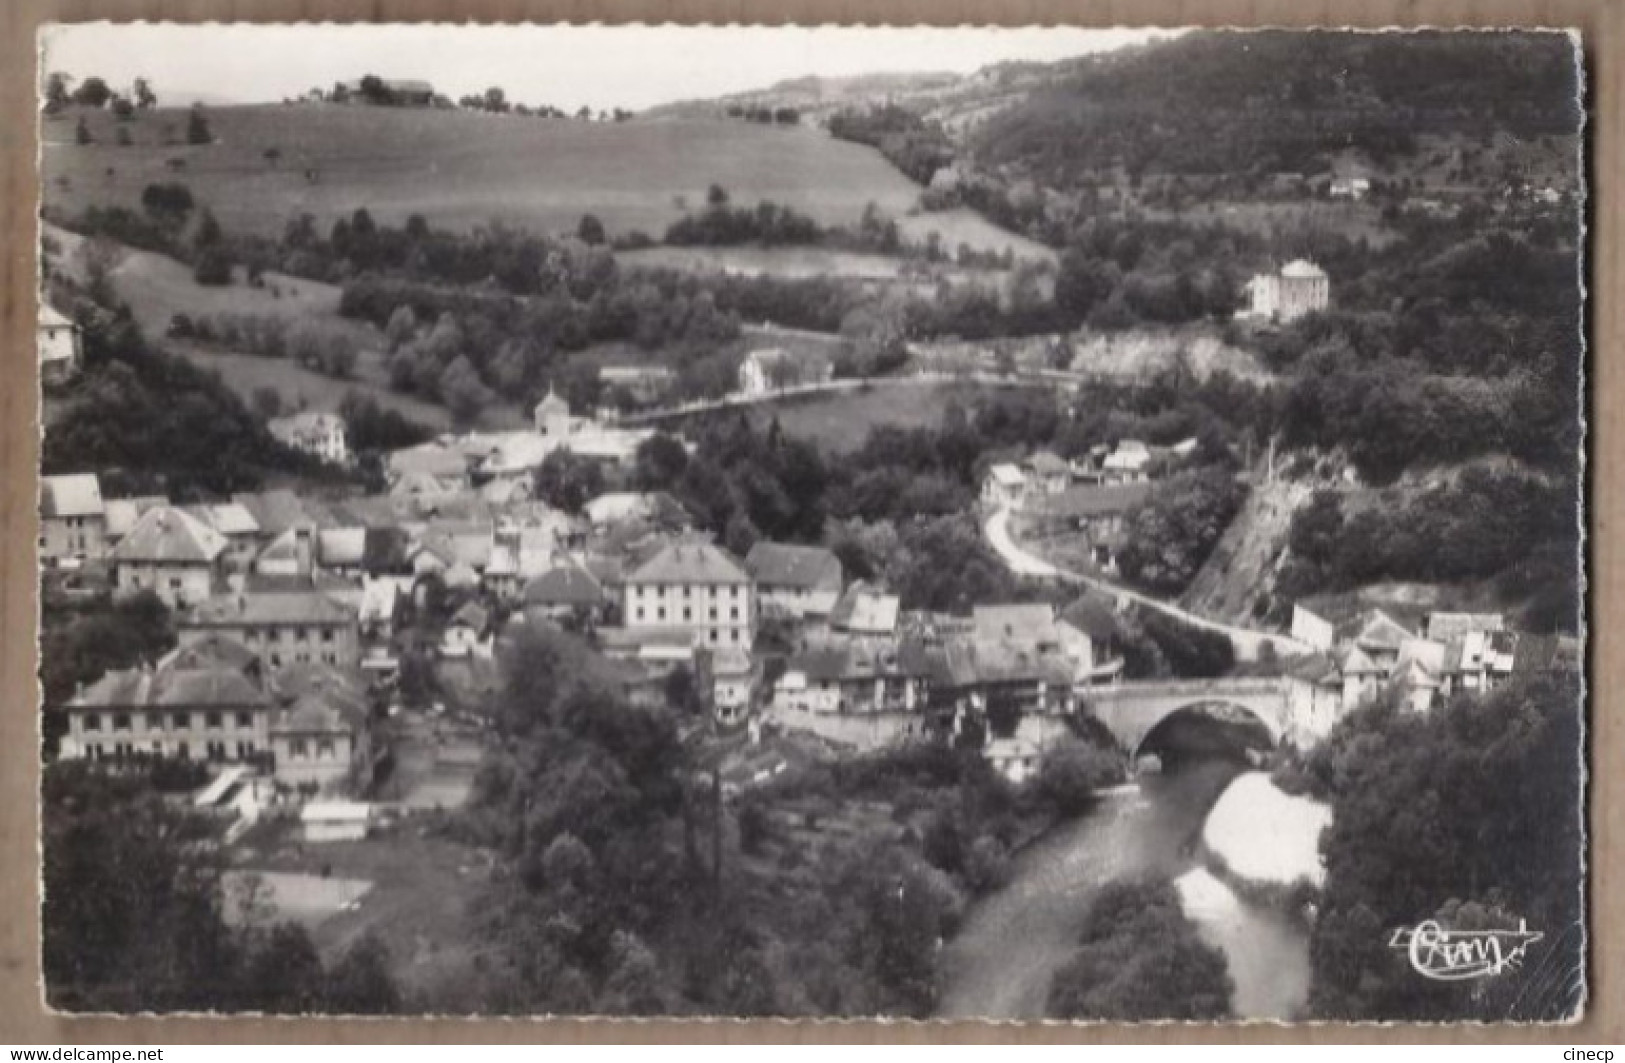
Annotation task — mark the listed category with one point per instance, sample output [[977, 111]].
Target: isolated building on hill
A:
[[693, 587], [61, 352], [1301, 287], [775, 369], [171, 553], [73, 518], [386, 92], [321, 435], [805, 581]]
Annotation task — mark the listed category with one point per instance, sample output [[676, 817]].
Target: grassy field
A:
[[840, 422], [419, 903], [462, 169], [157, 288], [963, 226], [775, 261]]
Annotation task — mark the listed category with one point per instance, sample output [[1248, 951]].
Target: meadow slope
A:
[[461, 169]]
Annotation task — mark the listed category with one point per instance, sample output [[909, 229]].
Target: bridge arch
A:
[[1132, 710], [1238, 715]]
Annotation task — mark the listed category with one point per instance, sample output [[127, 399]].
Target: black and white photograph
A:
[[862, 522]]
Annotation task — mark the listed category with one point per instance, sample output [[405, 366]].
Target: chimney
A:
[[303, 547]]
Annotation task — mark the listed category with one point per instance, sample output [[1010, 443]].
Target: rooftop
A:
[[866, 609], [262, 608], [167, 535], [790, 565], [690, 561], [76, 494], [567, 584]]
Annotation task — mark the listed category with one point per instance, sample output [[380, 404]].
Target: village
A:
[[311, 628], [1042, 540]]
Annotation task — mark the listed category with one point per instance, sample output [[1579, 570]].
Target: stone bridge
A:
[[1131, 710]]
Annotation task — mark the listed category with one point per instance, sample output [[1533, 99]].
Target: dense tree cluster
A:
[[134, 919], [1169, 536], [150, 422], [721, 225], [1471, 814], [1141, 957], [913, 145], [1514, 527], [1276, 110]]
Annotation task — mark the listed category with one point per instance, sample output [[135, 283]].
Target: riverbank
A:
[[1258, 872], [1266, 836]]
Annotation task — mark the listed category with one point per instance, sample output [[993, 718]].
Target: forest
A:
[[1479, 803], [1271, 108]]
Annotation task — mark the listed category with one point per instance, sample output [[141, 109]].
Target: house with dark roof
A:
[[292, 622], [696, 586], [73, 518], [1047, 472], [171, 553], [192, 704], [567, 591], [846, 675], [805, 581], [1098, 511], [319, 729], [236, 523]]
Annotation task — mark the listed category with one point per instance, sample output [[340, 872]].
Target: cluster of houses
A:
[[1448, 653], [1089, 496]]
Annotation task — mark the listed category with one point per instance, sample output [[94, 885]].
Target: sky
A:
[[566, 66]]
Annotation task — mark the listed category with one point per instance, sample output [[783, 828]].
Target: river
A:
[[1000, 964]]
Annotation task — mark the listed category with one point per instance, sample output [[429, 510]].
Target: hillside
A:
[[461, 169], [1197, 105]]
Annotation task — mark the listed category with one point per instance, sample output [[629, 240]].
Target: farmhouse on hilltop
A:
[[386, 92]]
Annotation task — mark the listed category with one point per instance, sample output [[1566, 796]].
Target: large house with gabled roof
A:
[[695, 588], [804, 581], [171, 553]]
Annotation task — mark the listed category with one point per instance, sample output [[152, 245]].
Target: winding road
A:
[[1247, 641]]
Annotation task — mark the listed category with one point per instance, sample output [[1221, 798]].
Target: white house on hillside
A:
[[1301, 287], [320, 435], [60, 352], [775, 369]]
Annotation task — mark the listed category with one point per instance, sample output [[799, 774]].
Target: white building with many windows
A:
[[696, 588]]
